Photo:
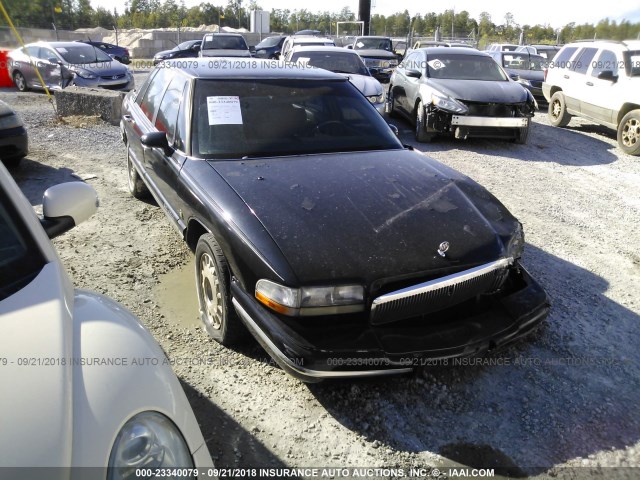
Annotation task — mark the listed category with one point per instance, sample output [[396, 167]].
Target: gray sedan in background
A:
[[67, 63]]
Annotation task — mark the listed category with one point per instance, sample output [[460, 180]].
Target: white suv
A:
[[599, 81]]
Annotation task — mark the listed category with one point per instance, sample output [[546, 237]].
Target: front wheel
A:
[[212, 283], [629, 133], [390, 106], [137, 187], [558, 115], [421, 128]]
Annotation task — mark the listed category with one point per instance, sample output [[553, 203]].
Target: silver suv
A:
[[599, 81]]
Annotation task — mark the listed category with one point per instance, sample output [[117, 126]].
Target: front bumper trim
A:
[[489, 121]]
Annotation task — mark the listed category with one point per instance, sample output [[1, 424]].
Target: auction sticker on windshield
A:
[[224, 110], [436, 64]]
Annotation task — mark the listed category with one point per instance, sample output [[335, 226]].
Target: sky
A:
[[556, 13]]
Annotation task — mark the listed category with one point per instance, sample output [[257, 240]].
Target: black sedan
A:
[[343, 252], [526, 69], [14, 142], [188, 49], [460, 92]]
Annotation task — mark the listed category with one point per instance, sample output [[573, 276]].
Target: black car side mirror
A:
[[608, 75], [413, 73], [156, 140]]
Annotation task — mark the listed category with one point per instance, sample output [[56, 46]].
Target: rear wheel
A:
[[137, 187], [421, 128], [558, 115], [629, 133], [213, 282], [20, 81]]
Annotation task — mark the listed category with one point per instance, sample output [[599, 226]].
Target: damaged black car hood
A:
[[370, 215], [481, 91]]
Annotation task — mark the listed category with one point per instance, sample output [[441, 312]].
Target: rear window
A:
[[563, 59], [224, 42]]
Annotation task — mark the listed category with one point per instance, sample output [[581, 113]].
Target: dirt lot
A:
[[565, 402]]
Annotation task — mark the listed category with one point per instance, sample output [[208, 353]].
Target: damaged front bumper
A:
[[339, 348]]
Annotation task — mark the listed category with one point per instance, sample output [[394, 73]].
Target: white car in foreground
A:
[[84, 384], [345, 62]]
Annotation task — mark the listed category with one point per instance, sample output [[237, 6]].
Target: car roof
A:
[[322, 48], [56, 44], [255, 68], [453, 50]]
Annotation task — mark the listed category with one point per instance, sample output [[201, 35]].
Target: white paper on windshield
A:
[[224, 110], [62, 50], [359, 44], [436, 64]]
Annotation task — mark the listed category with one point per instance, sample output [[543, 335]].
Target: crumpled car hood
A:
[[369, 215]]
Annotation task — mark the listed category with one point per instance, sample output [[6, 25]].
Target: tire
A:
[[212, 283], [629, 133], [558, 116], [12, 162], [522, 134], [390, 106], [421, 134], [137, 187], [20, 82]]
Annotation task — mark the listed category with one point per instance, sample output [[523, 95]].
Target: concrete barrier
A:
[[90, 101]]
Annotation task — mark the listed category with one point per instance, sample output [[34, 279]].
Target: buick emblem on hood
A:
[[442, 249]]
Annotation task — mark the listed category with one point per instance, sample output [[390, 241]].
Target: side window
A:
[[144, 86], [151, 98], [46, 54], [168, 113], [583, 62], [606, 61], [34, 52], [181, 127], [412, 61], [562, 59]]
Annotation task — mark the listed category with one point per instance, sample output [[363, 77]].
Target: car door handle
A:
[[129, 118], [590, 84]]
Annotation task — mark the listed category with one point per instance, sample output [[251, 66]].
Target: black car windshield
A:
[[523, 61], [277, 117], [373, 43], [341, 62], [20, 258], [269, 42], [82, 53], [463, 67], [224, 42]]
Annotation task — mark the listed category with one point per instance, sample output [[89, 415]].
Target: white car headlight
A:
[[376, 99], [447, 103], [147, 440], [306, 301], [524, 81]]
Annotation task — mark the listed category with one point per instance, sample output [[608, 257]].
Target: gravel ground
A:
[[564, 402]]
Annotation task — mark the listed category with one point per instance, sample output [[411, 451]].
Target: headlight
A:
[[305, 301], [375, 99], [148, 440], [524, 81], [10, 121], [516, 244], [447, 103], [81, 72]]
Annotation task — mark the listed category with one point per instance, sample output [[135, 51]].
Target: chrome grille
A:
[[438, 294], [113, 77]]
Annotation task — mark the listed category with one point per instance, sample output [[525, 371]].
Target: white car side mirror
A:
[[66, 205]]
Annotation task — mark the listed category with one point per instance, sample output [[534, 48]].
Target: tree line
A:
[[73, 14]]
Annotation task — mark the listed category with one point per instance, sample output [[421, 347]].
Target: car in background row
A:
[[461, 92], [600, 81], [502, 47], [224, 45], [72, 392], [344, 253], [304, 41], [14, 141], [435, 43], [116, 52], [524, 68], [378, 55], [345, 62], [62, 64], [270, 47], [188, 49], [545, 51]]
